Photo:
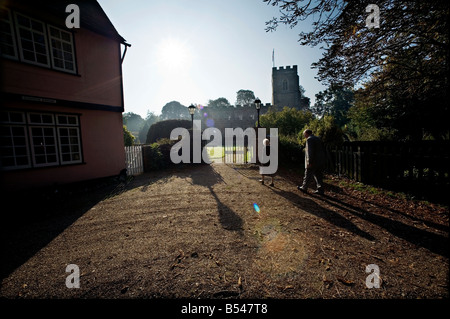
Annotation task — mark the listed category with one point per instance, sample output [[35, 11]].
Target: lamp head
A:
[[191, 109], [258, 103]]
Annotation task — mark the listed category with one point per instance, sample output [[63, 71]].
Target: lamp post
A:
[[258, 107], [192, 111]]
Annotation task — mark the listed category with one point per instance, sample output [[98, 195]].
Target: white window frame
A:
[[10, 22], [44, 34], [67, 116], [29, 114], [54, 122], [16, 166], [71, 43], [71, 161], [33, 146]]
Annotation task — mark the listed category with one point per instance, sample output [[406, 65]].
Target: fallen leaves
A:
[[344, 281], [178, 260]]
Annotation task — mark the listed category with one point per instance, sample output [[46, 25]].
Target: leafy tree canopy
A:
[[174, 110], [220, 102], [289, 121], [245, 97], [335, 101], [400, 68], [133, 121], [326, 128], [352, 50]]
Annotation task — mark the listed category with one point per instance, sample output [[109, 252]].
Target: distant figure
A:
[[266, 143], [315, 159]]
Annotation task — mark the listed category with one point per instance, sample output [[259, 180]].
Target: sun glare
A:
[[174, 55]]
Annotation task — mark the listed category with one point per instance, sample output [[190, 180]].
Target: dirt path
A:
[[193, 232]]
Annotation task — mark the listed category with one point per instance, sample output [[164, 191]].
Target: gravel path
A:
[[194, 232]]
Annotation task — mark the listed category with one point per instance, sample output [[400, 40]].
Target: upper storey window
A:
[[63, 56], [33, 41], [33, 45], [8, 46]]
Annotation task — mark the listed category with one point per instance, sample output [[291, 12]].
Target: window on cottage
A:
[[13, 141], [69, 145], [62, 51], [7, 37], [32, 40], [43, 146], [32, 139]]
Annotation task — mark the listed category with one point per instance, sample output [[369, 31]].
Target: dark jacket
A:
[[314, 152]]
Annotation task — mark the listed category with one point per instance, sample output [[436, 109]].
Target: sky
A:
[[193, 51]]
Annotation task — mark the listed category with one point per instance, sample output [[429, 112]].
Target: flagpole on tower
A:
[[273, 57]]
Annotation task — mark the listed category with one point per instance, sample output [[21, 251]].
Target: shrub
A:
[[161, 130], [128, 138], [289, 151], [157, 155]]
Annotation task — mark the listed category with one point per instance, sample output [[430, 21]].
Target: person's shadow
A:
[[205, 175]]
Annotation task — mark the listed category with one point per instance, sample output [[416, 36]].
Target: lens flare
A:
[[256, 207], [210, 122], [205, 114]]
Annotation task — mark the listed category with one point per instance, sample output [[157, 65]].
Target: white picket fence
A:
[[133, 160]]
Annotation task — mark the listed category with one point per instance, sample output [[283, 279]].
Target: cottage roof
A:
[[92, 16]]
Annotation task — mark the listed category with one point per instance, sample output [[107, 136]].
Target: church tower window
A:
[[285, 85]]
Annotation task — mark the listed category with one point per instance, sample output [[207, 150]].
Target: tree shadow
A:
[[428, 223], [330, 216], [433, 242]]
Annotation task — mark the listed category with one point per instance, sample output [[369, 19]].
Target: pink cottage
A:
[[61, 94]]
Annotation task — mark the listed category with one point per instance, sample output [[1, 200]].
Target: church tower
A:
[[286, 87]]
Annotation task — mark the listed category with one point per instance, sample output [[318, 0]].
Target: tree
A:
[[174, 110], [245, 97], [149, 121], [305, 102], [335, 101], [221, 102], [403, 65], [367, 123], [133, 121], [326, 128], [354, 49], [289, 121]]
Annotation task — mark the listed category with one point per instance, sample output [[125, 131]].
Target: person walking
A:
[[315, 160], [266, 143]]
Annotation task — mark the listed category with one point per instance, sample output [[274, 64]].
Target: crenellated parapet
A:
[[287, 68], [232, 116]]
